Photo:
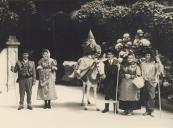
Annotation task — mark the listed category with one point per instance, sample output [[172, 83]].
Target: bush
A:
[[111, 21], [8, 20], [6, 15], [100, 12], [153, 18]]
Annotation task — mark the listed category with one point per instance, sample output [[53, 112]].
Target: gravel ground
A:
[[66, 112]]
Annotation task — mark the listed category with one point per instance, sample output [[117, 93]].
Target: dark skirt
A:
[[129, 105]]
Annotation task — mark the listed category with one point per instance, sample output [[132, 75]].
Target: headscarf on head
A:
[[51, 61], [46, 50]]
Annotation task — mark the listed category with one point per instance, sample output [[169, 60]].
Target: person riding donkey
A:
[[90, 50], [90, 47], [89, 69]]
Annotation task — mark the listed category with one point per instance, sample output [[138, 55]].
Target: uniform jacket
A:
[[31, 72]]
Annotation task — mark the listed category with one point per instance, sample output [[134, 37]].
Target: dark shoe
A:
[[146, 113], [82, 104], [97, 109], [105, 110], [130, 112], [125, 112], [49, 104], [20, 107], [89, 102], [45, 107], [29, 107], [151, 114], [85, 109], [45, 104]]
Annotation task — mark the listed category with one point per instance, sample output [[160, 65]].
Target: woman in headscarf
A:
[[129, 94], [47, 68]]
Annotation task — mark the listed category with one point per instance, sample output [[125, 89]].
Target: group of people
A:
[[129, 95], [128, 60], [26, 69], [125, 62]]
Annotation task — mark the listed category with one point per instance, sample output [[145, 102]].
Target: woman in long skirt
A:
[[47, 68], [129, 95]]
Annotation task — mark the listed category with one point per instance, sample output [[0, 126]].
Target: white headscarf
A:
[[48, 52]]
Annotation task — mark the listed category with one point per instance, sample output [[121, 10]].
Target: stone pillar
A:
[[12, 57]]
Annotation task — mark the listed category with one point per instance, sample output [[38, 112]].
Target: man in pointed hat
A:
[[91, 50], [91, 47]]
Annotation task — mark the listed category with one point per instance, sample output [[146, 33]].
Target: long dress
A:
[[129, 95], [47, 77]]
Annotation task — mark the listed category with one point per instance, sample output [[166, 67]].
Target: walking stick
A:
[[117, 90], [15, 91], [160, 105]]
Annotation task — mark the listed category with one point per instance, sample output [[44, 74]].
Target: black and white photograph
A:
[[86, 63]]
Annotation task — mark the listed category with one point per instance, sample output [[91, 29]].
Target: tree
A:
[[8, 20], [112, 20]]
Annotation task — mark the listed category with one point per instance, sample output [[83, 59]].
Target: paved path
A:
[[67, 113]]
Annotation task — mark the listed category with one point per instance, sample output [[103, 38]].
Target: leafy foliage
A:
[[6, 15], [8, 20], [154, 19], [100, 12], [114, 19]]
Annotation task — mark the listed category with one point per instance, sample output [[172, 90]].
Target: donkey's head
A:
[[98, 70]]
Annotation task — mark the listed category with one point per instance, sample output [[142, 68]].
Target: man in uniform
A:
[[26, 78]]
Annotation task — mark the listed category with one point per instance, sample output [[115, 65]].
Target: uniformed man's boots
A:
[[29, 107], [49, 104], [45, 104], [20, 107], [106, 108]]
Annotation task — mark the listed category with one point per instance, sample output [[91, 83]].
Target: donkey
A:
[[90, 71]]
